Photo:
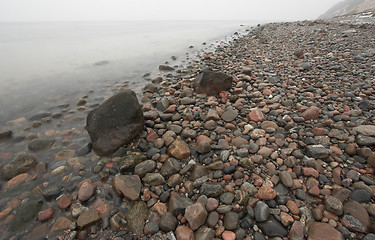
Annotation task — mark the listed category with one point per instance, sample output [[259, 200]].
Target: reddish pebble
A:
[[64, 202], [46, 215], [228, 235], [266, 193]]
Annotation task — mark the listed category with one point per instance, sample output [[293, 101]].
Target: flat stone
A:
[[231, 220], [46, 215], [356, 210], [261, 211], [170, 167], [229, 115], [211, 189], [256, 115], [367, 130], [212, 204], [88, 218], [153, 179], [61, 224], [212, 219], [323, 231], [273, 228], [360, 195], [37, 145], [311, 113], [334, 205], [317, 151], [136, 217], [196, 215], [63, 202], [286, 179], [204, 233], [145, 167], [22, 163], [86, 191], [353, 224], [128, 186]]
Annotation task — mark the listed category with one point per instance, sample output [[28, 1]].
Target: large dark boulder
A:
[[211, 83], [115, 123]]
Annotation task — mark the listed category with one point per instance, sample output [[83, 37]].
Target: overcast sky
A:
[[87, 10]]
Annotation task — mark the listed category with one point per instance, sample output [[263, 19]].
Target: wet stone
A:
[[128, 186], [136, 217], [86, 191], [145, 167], [22, 163]]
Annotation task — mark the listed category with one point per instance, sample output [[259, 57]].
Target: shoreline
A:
[[287, 152]]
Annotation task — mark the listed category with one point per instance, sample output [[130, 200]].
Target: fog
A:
[[118, 10]]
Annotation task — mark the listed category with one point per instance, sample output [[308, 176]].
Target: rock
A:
[[256, 115], [367, 130], [179, 149], [168, 222], [198, 171], [130, 161], [22, 163], [145, 167], [88, 218], [61, 224], [184, 233], [369, 236], [151, 88], [286, 179], [136, 217], [37, 145], [231, 220], [178, 203], [128, 186], [211, 189], [311, 113], [115, 123], [334, 205], [84, 150], [211, 83], [6, 135], [356, 210], [212, 219], [362, 140], [170, 167], [151, 228], [261, 211], [323, 231], [360, 195], [273, 228], [229, 115], [227, 198], [228, 235], [203, 147], [63, 202], [86, 191], [297, 231], [153, 179], [212, 204], [266, 193], [353, 224], [317, 151], [26, 212], [204, 233], [293, 207], [166, 68], [286, 219], [196, 215]]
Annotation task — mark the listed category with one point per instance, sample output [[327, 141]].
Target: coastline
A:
[[286, 158]]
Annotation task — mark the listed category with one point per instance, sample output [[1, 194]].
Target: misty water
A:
[[47, 64]]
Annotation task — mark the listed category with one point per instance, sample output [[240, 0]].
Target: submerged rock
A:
[[20, 164], [115, 123]]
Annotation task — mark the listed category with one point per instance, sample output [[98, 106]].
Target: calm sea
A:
[[46, 64]]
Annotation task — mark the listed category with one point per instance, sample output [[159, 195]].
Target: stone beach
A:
[[269, 136]]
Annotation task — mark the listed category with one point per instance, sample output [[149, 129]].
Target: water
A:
[[43, 64]]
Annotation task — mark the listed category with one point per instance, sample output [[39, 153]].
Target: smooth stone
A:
[[196, 215], [231, 220], [88, 218], [273, 228], [128, 186], [22, 163], [261, 211], [168, 222], [136, 217]]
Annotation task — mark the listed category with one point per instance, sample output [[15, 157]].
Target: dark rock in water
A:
[[5, 135], [115, 123], [136, 217], [27, 212], [52, 193], [84, 150], [166, 68], [20, 164], [37, 145], [40, 116], [131, 160], [212, 83], [365, 105], [273, 228]]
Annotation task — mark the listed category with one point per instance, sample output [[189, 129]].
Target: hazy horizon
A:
[[117, 10]]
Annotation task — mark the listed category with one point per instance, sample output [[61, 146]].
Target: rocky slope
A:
[[348, 7]]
